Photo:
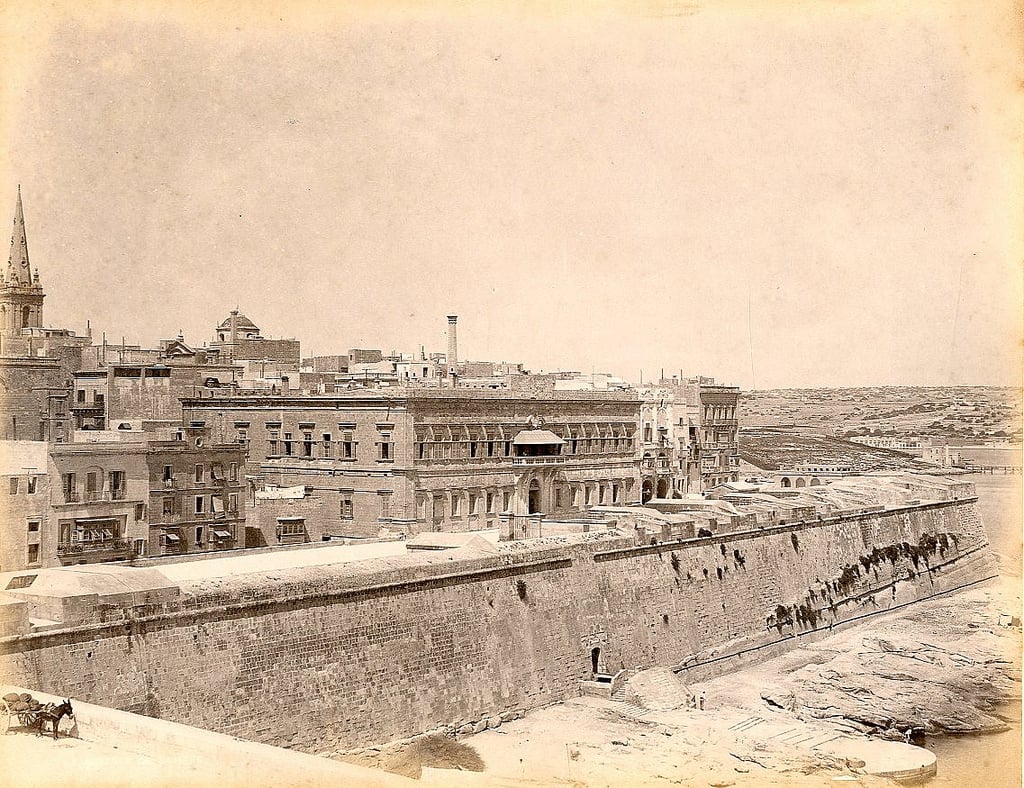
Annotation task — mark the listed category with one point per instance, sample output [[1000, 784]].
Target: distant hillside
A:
[[975, 414], [768, 449]]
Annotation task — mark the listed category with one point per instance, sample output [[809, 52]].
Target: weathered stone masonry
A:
[[339, 657]]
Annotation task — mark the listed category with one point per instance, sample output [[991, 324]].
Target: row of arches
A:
[[15, 318], [799, 481]]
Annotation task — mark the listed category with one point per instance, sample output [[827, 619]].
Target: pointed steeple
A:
[[19, 272]]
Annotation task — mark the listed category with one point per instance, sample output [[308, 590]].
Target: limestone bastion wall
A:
[[340, 657]]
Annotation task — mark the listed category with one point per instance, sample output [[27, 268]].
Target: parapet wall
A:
[[338, 657]]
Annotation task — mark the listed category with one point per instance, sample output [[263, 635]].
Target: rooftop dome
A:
[[242, 323]]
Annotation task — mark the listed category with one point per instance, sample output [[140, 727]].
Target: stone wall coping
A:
[[313, 597], [769, 530]]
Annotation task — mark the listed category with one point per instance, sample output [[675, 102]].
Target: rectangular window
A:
[[33, 553], [200, 504], [307, 444], [472, 449], [348, 446], [385, 446], [199, 535], [70, 488], [508, 448], [217, 471], [97, 397], [288, 444], [456, 505], [328, 446], [272, 443], [233, 502], [490, 448], [33, 527], [93, 486], [32, 485], [506, 499], [80, 395], [420, 450], [117, 485], [233, 472], [140, 512], [140, 547], [243, 437], [346, 508], [385, 505], [200, 474], [491, 499], [14, 485], [168, 507], [474, 503], [168, 473], [291, 528]]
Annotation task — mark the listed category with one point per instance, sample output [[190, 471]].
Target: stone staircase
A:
[[623, 706]]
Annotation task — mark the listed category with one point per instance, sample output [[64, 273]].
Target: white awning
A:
[[172, 537], [221, 534], [217, 503]]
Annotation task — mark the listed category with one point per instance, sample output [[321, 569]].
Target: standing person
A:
[[703, 697]]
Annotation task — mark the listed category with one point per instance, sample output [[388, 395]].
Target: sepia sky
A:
[[779, 194]]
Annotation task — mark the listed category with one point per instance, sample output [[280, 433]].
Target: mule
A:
[[53, 714]]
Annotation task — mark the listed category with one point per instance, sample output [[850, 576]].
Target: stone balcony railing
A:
[[92, 496], [552, 460], [98, 545]]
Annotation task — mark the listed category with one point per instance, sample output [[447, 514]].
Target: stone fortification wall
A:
[[337, 657]]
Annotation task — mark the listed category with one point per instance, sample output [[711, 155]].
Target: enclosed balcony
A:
[[537, 447]]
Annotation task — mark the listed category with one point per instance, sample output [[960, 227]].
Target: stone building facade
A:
[[26, 536], [197, 495], [688, 436], [124, 392], [719, 435], [34, 400], [99, 496], [113, 500], [435, 459]]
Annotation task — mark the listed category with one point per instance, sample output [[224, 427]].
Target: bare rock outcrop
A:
[[927, 676]]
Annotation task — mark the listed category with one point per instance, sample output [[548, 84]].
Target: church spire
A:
[[19, 272]]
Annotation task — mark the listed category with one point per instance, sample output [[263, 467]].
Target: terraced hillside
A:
[[768, 449]]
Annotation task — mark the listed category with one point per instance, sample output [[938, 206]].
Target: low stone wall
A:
[[339, 657]]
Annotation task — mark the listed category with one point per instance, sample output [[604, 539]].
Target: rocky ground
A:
[[944, 666], [943, 670]]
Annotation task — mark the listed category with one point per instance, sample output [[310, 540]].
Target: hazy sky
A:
[[809, 194]]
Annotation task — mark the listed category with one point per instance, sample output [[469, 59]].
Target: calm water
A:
[[999, 499], [992, 761]]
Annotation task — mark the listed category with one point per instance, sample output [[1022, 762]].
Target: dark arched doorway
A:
[[800, 483], [595, 660], [647, 491], [533, 500], [815, 482], [663, 488], [784, 482]]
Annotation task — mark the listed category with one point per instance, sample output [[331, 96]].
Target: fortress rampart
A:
[[345, 655]]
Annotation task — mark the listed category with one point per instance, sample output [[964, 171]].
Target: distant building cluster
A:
[[112, 451]]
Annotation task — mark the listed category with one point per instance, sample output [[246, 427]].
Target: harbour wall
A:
[[337, 657]]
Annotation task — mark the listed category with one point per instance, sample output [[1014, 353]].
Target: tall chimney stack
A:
[[453, 341]]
